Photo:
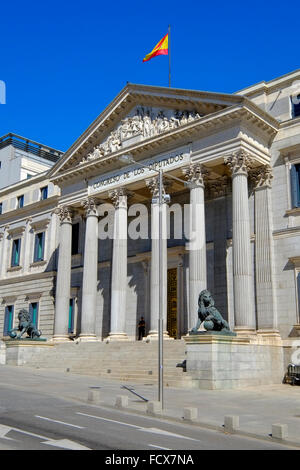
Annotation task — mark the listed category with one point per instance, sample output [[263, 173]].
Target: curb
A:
[[200, 424]]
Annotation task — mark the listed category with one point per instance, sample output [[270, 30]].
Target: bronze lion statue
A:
[[25, 326], [208, 314]]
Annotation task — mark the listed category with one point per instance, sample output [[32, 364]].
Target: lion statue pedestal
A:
[[217, 358]]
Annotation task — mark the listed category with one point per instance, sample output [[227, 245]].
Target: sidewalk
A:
[[258, 408]]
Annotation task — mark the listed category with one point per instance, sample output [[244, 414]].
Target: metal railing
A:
[[30, 146]]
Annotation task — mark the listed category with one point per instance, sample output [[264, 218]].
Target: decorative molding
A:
[[16, 231], [287, 232], [145, 123], [65, 214], [71, 170], [117, 196], [33, 296], [261, 177], [295, 211], [239, 162], [89, 206], [40, 224], [9, 299], [38, 263], [195, 173], [296, 261], [153, 185], [14, 268]]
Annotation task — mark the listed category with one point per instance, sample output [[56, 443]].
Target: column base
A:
[[153, 336], [269, 336], [61, 339], [117, 337], [245, 332], [87, 338]]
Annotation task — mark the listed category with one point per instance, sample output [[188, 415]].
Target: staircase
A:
[[127, 361]]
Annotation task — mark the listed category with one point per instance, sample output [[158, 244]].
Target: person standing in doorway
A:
[[141, 328]]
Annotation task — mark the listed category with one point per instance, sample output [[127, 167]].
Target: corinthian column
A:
[[239, 164], [264, 252], [90, 272], [153, 185], [197, 240], [63, 278], [119, 266]]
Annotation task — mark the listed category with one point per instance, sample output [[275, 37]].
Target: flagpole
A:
[[169, 51]]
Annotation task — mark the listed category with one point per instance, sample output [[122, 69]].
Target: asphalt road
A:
[[35, 421]]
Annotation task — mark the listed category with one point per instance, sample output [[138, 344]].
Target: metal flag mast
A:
[[169, 53]]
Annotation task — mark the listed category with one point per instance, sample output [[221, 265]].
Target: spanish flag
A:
[[161, 48]]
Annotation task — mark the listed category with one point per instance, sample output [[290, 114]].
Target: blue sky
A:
[[63, 62]]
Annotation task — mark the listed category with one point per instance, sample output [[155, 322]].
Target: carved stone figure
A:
[[207, 313], [25, 326], [145, 123]]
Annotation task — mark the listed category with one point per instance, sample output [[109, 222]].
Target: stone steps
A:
[[122, 361]]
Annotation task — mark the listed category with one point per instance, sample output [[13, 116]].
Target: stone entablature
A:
[[147, 129], [133, 173]]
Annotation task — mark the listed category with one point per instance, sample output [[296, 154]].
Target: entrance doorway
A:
[[172, 326]]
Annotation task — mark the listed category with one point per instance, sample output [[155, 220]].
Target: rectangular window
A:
[[296, 106], [44, 193], [34, 313], [0, 208], [39, 245], [15, 255], [20, 201], [8, 319], [71, 316], [75, 239], [295, 185]]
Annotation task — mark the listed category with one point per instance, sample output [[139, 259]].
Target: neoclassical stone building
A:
[[85, 259]]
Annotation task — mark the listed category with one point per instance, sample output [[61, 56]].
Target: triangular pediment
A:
[[137, 114]]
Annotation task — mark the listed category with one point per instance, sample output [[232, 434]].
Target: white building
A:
[[241, 152]]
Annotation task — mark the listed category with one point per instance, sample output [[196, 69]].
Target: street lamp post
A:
[[161, 201], [162, 198]]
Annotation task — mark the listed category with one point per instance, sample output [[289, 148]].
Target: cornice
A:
[[290, 123], [29, 209], [270, 86], [200, 127], [145, 95], [23, 183], [27, 277]]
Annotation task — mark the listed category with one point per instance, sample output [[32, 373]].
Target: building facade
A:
[[83, 256]]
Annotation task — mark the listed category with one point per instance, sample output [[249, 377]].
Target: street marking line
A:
[[166, 433], [158, 447], [141, 428], [66, 444], [59, 422], [110, 420], [27, 432], [5, 430]]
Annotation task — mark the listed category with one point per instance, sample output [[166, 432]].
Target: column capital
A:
[[117, 196], [239, 162], [65, 214], [153, 185], [261, 177], [89, 205], [195, 173]]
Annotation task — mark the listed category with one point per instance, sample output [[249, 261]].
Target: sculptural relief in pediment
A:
[[141, 123]]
